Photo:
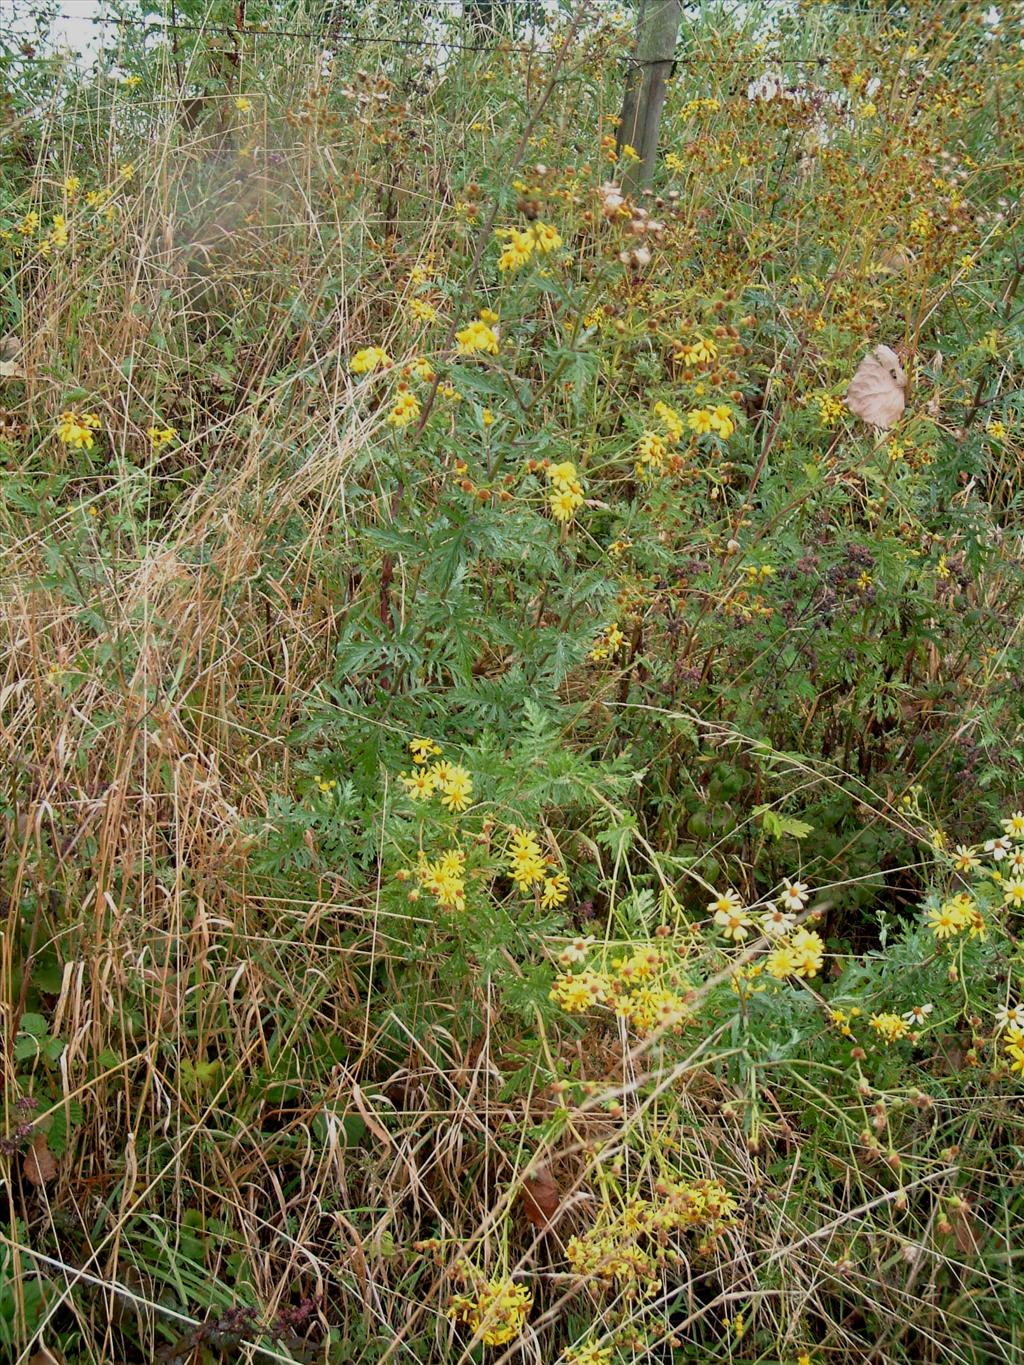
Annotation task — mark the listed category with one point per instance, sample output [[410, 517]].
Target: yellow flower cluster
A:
[[889, 1027], [450, 779], [423, 750], [423, 311], [651, 452], [78, 429], [368, 359], [576, 994], [405, 410], [698, 352], [161, 436], [526, 862], [497, 1311], [556, 891], [718, 420], [630, 1248], [800, 955], [587, 1353], [829, 410], [566, 493], [444, 878], [608, 643], [1013, 1044], [518, 248], [671, 421], [477, 336], [956, 915], [521, 243], [641, 988]]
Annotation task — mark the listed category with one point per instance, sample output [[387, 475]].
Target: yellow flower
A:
[[497, 1311], [518, 249], [72, 184], [422, 749], [556, 891], [545, 237], [781, 962], [672, 422], [629, 153], [651, 451], [419, 784], [475, 337], [699, 352], [130, 82], [243, 105], [445, 878], [699, 421], [489, 316], [527, 865], [407, 409], [574, 994], [951, 918], [161, 436], [29, 223], [77, 430], [457, 789], [369, 358], [127, 170], [422, 311], [808, 951], [563, 505], [59, 231], [965, 859], [721, 421], [587, 1354]]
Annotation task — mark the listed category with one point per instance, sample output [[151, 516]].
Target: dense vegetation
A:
[[511, 788]]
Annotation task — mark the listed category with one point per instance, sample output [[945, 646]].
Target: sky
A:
[[74, 26]]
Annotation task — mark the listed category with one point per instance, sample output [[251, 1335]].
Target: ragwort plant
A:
[[512, 843]]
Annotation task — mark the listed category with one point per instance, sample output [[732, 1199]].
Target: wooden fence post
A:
[[646, 88]]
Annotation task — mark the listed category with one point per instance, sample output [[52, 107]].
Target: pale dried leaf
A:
[[10, 369], [876, 393], [39, 1165], [47, 1355], [894, 260]]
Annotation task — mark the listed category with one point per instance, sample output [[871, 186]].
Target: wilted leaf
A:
[[540, 1197], [39, 1165], [876, 392], [47, 1356], [894, 260]]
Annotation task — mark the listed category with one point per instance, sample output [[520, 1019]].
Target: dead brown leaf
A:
[[39, 1165], [540, 1197]]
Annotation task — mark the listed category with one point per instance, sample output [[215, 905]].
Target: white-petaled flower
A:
[[999, 848], [917, 1014], [794, 895], [725, 902], [776, 922], [1016, 859], [1014, 825], [1009, 1016], [576, 951], [965, 859], [734, 924]]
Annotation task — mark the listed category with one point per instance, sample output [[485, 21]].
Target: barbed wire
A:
[[330, 38]]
